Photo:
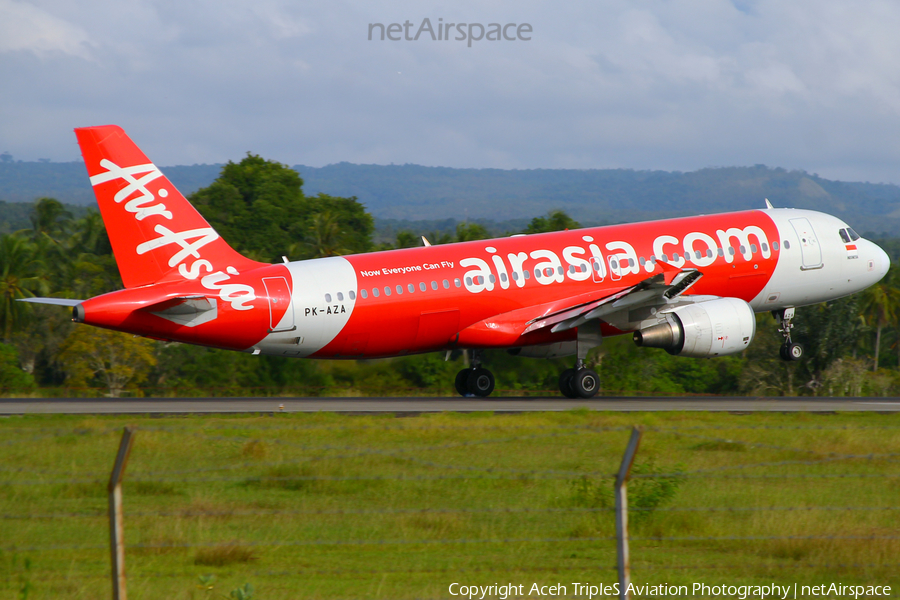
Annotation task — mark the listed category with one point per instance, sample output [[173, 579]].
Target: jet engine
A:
[[705, 329]]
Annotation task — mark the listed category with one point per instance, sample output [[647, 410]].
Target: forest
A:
[[260, 208]]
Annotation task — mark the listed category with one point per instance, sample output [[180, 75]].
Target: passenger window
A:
[[720, 252], [787, 245], [845, 236], [411, 288], [765, 247], [583, 268], [340, 297], [561, 270], [457, 282], [399, 289], [775, 246], [753, 248], [328, 298], [743, 249], [527, 274], [492, 278], [503, 277], [446, 285], [375, 292], [571, 269], [479, 279], [365, 294], [515, 276], [352, 295], [708, 253], [422, 285], [731, 250], [674, 256], [434, 285], [387, 290]]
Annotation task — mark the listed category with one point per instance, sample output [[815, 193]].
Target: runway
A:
[[16, 406]]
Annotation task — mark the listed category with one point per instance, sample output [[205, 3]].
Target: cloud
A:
[[615, 83], [26, 27]]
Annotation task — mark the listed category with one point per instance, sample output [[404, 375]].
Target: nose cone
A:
[[882, 262]]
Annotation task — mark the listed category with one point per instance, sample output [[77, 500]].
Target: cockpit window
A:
[[845, 236], [853, 235]]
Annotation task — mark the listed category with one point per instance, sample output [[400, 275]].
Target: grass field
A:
[[331, 506]]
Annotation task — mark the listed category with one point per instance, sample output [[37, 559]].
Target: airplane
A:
[[688, 285]]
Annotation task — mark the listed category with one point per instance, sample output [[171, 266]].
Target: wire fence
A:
[[451, 499]]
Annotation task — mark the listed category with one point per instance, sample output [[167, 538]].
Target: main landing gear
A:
[[476, 380], [579, 382], [789, 351]]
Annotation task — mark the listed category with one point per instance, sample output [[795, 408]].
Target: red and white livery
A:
[[689, 285]]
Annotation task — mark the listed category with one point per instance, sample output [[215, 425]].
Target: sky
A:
[[641, 84]]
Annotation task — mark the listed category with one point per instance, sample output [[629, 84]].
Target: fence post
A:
[[116, 534], [622, 512]]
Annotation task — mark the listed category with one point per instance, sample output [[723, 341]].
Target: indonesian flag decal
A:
[[852, 252]]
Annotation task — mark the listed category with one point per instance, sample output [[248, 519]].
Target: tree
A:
[[467, 232], [258, 207], [12, 378], [880, 305], [20, 277], [555, 220], [50, 218], [117, 359]]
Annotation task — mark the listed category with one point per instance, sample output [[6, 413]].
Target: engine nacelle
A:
[[712, 328]]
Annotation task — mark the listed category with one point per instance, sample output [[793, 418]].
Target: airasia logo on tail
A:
[[143, 203]]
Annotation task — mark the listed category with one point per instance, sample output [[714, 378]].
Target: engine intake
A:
[[712, 328]]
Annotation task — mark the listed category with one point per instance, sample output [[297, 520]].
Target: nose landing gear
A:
[[790, 350], [476, 380]]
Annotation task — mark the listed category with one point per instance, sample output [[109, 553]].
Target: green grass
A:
[[330, 506]]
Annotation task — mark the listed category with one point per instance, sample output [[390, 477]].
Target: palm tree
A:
[[20, 277], [880, 306], [325, 235]]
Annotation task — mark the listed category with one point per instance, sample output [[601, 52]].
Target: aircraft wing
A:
[[660, 287], [560, 315]]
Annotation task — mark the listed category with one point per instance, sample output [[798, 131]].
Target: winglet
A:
[[769, 204], [425, 241]]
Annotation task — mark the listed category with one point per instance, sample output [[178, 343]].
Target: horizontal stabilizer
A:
[[56, 301], [189, 311]]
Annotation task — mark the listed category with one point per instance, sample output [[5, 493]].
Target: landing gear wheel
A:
[[480, 382], [461, 385], [585, 383], [565, 383], [793, 351]]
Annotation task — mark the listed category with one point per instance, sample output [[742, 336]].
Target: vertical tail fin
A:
[[156, 234]]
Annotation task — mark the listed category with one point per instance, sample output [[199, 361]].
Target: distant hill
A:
[[414, 193]]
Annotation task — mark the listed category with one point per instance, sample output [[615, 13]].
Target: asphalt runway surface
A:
[[15, 406]]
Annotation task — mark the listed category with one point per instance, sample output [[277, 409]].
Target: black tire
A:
[[460, 383], [480, 382], [794, 352], [783, 352], [585, 383], [565, 383]]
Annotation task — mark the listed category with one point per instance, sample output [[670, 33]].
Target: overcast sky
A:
[[801, 84]]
